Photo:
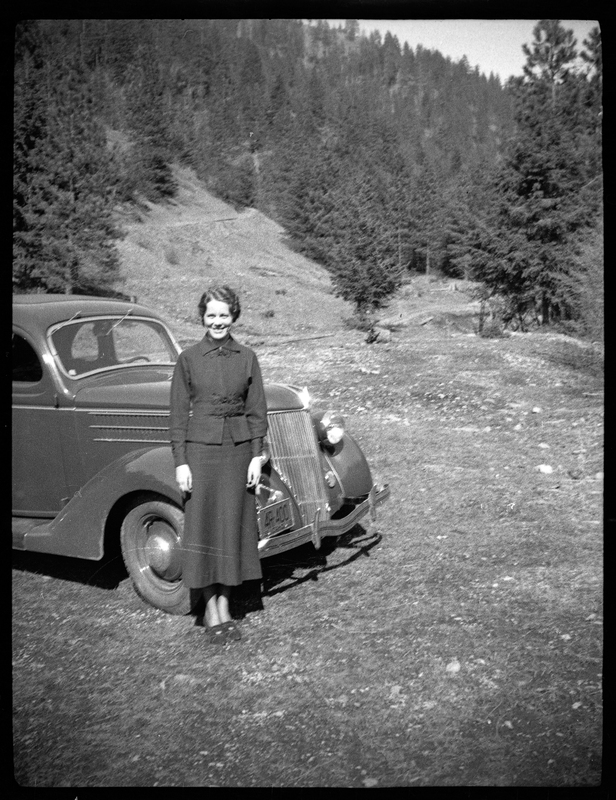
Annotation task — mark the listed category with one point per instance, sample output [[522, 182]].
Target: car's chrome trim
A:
[[35, 408], [333, 527], [125, 427], [129, 412], [133, 441]]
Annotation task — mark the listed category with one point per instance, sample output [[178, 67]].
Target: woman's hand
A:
[[183, 476], [254, 472]]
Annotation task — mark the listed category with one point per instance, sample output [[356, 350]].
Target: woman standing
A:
[[218, 421]]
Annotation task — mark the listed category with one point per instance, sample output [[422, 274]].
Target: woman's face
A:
[[217, 319]]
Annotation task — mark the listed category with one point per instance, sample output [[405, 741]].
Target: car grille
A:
[[295, 455]]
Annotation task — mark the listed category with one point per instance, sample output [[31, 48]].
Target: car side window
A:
[[26, 364]]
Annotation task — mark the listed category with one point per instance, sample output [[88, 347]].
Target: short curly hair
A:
[[224, 294]]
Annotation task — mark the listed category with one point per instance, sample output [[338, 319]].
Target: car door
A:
[[39, 485]]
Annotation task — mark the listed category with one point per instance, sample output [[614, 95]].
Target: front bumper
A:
[[317, 530]]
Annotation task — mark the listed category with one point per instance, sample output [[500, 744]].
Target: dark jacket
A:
[[213, 383]]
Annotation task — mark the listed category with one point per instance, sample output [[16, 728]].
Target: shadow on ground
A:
[[280, 572], [107, 573], [290, 569]]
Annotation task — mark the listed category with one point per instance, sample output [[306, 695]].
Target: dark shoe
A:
[[216, 634], [232, 630]]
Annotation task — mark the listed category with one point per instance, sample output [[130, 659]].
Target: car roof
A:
[[42, 310]]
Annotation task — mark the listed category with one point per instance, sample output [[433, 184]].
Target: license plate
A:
[[275, 518]]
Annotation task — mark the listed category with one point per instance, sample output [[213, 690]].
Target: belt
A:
[[222, 409]]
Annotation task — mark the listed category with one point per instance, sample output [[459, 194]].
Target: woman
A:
[[218, 421]]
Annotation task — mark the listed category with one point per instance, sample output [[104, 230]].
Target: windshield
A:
[[88, 345]]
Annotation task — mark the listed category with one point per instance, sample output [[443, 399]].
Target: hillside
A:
[[174, 250]]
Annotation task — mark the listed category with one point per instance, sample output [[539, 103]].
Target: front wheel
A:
[[151, 540]]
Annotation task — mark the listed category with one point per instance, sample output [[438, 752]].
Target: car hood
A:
[[139, 393], [281, 397], [152, 394]]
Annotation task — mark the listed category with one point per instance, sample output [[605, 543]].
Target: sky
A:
[[494, 45]]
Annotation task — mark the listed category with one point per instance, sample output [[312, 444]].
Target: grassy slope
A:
[[180, 248], [456, 642]]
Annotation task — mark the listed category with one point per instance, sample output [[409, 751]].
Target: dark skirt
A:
[[220, 526]]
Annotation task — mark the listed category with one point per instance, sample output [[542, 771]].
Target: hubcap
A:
[[162, 553]]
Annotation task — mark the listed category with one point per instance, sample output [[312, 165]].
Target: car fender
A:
[[79, 529], [350, 467]]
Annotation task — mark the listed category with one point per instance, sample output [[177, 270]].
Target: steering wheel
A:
[[137, 358]]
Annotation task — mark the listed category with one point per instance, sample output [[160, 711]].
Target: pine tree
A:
[[29, 128], [465, 229], [313, 172], [592, 101], [148, 170], [364, 237], [541, 213], [63, 200], [430, 215]]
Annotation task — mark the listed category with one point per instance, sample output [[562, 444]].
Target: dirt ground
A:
[[455, 642]]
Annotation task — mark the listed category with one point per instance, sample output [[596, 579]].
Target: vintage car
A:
[[92, 462]]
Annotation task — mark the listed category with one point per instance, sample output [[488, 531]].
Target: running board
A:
[[21, 526]]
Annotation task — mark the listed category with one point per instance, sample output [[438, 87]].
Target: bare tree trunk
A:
[[258, 178], [545, 309]]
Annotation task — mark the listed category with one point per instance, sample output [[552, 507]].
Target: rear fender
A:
[[79, 529]]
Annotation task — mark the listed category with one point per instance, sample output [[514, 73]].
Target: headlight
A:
[[304, 396], [333, 427]]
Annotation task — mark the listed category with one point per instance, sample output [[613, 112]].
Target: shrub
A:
[[171, 255], [358, 322], [491, 329], [585, 289], [587, 358]]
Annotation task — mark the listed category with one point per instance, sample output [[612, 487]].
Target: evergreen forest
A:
[[378, 160]]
